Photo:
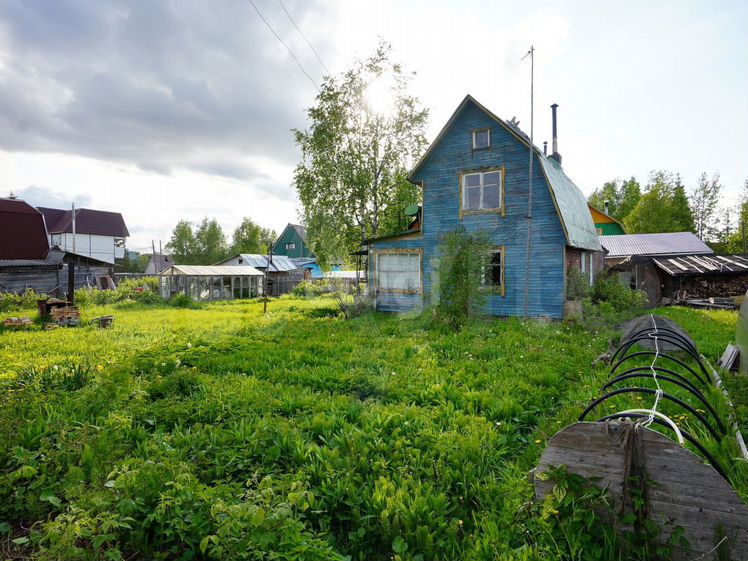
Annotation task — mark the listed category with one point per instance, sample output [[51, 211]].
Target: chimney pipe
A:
[[545, 148], [607, 207], [555, 155]]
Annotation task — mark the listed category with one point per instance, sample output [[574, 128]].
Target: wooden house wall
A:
[[441, 214], [43, 280]]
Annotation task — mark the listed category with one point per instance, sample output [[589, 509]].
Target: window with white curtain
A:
[[399, 271], [481, 191]]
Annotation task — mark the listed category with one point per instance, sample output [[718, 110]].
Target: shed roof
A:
[[569, 200], [22, 232], [279, 264], [684, 265], [87, 221], [212, 271], [160, 261], [673, 243]]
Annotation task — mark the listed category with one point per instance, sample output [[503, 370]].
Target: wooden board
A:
[[682, 490]]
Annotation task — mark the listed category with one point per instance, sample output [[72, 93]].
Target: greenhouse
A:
[[216, 282]]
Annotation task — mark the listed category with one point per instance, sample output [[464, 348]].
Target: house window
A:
[[56, 239], [399, 272], [586, 265], [493, 271], [481, 139], [290, 245], [481, 191]]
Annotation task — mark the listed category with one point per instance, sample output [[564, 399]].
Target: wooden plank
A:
[[682, 490]]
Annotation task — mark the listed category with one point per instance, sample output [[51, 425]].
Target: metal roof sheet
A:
[[212, 271], [279, 264], [22, 232], [683, 265], [674, 243], [572, 207], [87, 221]]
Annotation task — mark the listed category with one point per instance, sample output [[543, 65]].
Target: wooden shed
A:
[[215, 282]]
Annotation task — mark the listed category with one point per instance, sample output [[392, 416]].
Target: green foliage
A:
[[577, 284], [309, 289], [704, 200], [251, 238], [463, 258], [10, 301], [182, 243], [621, 196], [356, 155], [609, 289], [663, 207], [144, 290], [225, 433]]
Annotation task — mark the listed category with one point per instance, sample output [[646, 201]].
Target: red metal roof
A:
[[87, 221], [22, 233]]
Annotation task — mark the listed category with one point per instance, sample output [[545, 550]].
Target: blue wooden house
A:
[[476, 175]]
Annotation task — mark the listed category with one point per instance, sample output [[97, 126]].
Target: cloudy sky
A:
[[182, 109]]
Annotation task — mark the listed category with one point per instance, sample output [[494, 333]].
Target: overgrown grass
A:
[[223, 433]]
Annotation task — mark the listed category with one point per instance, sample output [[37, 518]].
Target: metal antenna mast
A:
[[531, 54]]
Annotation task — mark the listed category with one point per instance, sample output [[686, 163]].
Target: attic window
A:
[[119, 242], [481, 139], [291, 245]]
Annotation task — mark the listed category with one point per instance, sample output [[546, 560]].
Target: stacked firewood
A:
[[723, 286], [68, 315], [18, 323]]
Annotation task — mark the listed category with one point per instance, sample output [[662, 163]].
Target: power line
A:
[[259, 13], [304, 36]]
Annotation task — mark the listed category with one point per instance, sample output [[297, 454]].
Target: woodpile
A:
[[706, 287], [68, 315], [18, 323]]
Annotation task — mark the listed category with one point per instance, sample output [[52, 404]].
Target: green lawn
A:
[[222, 433]]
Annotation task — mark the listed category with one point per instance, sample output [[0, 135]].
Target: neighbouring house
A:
[[158, 263], [214, 282], [476, 174], [99, 234], [605, 224], [27, 262], [283, 275], [292, 242], [674, 266]]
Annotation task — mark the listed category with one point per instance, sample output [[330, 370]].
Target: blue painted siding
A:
[[441, 214]]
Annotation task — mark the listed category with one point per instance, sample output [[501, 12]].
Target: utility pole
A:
[[528, 249], [73, 228], [269, 260]]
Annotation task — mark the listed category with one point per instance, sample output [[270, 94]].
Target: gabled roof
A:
[[279, 264], [674, 243], [87, 221], [612, 218], [212, 271], [298, 228], [22, 232], [570, 202]]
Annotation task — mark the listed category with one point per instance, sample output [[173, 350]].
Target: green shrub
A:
[[609, 289], [463, 257], [308, 289], [10, 301], [577, 285]]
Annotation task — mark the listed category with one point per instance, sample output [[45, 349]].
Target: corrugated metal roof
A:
[[22, 232], [212, 271], [279, 264], [674, 243], [572, 207], [11, 263], [699, 264], [87, 221]]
